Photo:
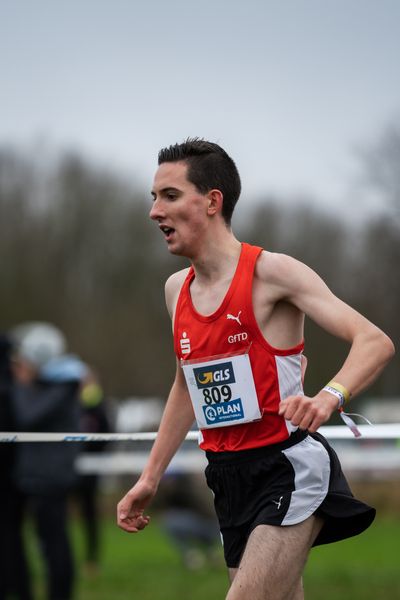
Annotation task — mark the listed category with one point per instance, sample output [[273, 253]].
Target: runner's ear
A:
[[215, 200]]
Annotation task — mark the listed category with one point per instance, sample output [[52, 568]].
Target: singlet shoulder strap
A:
[[245, 274], [250, 254], [183, 297]]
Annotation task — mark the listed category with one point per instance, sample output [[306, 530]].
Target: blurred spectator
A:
[[188, 519], [93, 419], [14, 575], [45, 399]]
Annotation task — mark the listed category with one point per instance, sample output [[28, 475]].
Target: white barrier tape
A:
[[335, 432], [20, 436]]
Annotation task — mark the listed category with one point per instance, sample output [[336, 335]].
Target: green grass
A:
[[147, 567], [362, 568]]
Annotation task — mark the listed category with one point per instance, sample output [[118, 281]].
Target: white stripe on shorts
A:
[[311, 465]]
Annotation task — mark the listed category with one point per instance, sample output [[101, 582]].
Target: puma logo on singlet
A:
[[278, 502], [233, 318]]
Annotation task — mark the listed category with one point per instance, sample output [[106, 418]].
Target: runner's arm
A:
[[370, 348], [176, 421]]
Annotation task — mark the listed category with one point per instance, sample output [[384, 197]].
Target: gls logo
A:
[[238, 337], [214, 375]]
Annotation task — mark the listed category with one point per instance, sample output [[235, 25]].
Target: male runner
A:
[[238, 315]]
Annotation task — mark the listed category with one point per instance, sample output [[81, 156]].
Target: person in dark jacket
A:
[[45, 399], [14, 574], [94, 418]]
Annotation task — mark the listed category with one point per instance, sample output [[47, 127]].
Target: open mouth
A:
[[167, 231]]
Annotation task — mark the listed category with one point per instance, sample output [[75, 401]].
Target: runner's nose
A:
[[156, 212]]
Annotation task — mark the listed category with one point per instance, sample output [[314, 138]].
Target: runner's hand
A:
[[130, 509], [308, 413]]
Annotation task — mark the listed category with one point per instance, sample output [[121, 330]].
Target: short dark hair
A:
[[209, 167]]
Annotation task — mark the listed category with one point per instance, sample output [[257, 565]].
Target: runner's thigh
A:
[[273, 561]]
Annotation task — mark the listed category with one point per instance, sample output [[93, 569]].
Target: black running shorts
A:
[[281, 485]]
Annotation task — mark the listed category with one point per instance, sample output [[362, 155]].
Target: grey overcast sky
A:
[[288, 87]]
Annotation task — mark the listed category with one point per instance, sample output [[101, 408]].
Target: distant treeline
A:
[[77, 249]]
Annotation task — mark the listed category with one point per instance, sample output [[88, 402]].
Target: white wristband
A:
[[336, 393]]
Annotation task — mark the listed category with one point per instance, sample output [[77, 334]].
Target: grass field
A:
[[147, 567]]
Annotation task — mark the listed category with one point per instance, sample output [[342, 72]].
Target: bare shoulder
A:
[[176, 280], [173, 287], [282, 273]]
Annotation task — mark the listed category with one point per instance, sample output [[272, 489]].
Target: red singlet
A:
[[232, 328]]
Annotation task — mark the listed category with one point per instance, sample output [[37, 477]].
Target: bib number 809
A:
[[217, 394]]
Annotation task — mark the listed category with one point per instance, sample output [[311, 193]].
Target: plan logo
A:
[[226, 411], [211, 375]]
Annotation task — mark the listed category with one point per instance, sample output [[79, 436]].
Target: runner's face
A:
[[179, 209]]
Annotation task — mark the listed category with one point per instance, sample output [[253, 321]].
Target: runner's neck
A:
[[217, 262]]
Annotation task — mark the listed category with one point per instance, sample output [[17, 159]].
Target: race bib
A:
[[222, 390]]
